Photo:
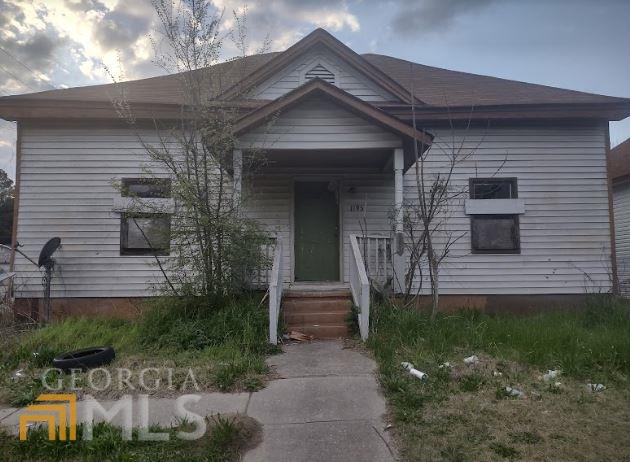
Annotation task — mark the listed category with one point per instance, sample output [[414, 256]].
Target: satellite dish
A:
[[49, 248]]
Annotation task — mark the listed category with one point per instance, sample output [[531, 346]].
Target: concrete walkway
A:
[[325, 406]]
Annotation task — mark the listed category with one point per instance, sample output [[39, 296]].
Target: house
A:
[[535, 224], [619, 161]]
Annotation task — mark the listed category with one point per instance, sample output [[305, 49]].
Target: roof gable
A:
[[319, 48], [320, 62]]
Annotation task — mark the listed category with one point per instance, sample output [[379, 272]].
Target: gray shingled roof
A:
[[433, 86]]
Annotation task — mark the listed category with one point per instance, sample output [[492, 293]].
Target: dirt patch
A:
[[558, 420], [248, 431]]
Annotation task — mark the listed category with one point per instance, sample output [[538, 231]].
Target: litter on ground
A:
[[547, 376], [299, 336], [595, 387], [514, 392], [413, 371]]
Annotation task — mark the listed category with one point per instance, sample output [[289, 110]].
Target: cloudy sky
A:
[[578, 44]]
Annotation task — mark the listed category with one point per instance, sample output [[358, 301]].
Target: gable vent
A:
[[321, 72]]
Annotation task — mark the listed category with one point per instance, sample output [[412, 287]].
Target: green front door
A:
[[316, 232]]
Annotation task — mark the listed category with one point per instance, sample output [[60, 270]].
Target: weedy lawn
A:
[[464, 413], [225, 346]]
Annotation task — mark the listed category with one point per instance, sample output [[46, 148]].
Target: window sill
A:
[[495, 252], [494, 206], [143, 205], [143, 253]]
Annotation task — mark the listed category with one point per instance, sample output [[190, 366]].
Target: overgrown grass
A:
[[465, 413], [586, 342], [176, 326], [225, 440], [225, 346]]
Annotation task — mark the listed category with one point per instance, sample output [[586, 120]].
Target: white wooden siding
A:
[[269, 199], [346, 78], [317, 124], [375, 194], [564, 232], [66, 190], [621, 202]]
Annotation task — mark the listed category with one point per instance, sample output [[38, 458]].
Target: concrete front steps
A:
[[320, 310]]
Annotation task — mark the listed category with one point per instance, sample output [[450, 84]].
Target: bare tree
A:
[[425, 219], [428, 239], [213, 247]]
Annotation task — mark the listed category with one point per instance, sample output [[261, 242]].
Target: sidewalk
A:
[[324, 407]]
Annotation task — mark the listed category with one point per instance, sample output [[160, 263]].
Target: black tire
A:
[[86, 358]]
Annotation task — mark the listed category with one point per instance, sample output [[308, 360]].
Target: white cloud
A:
[[7, 147], [334, 20], [65, 43], [286, 21]]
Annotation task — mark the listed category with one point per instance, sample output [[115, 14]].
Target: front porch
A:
[[315, 210], [330, 189], [335, 236]]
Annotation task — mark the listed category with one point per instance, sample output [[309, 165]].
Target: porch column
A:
[[398, 192], [398, 259], [237, 164]]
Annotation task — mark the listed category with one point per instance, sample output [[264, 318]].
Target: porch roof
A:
[[322, 89], [330, 161]]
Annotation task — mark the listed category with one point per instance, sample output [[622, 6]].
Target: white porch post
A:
[[398, 189], [398, 260], [237, 164]]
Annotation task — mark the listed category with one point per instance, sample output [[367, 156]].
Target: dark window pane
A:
[[495, 233], [494, 188], [146, 187], [145, 234]]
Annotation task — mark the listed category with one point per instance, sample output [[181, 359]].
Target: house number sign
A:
[[356, 207]]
